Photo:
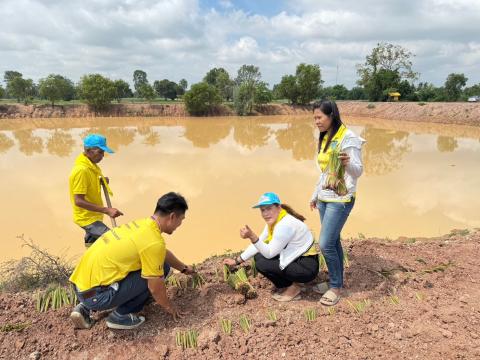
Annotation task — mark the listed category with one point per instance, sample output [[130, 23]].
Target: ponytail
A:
[[292, 212]]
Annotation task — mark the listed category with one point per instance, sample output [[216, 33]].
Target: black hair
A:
[[292, 212], [171, 202], [329, 108]]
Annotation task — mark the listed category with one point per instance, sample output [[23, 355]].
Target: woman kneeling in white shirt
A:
[[284, 252]]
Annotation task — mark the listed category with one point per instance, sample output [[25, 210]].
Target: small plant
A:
[[239, 282], [336, 174], [271, 315], [346, 259], [244, 323], [370, 106], [174, 281], [226, 325], [419, 296], [411, 241], [421, 103], [438, 268], [359, 306], [331, 310], [55, 297], [310, 314], [186, 339], [14, 327], [323, 263], [197, 279], [394, 299], [361, 236], [226, 273], [254, 268], [421, 261]]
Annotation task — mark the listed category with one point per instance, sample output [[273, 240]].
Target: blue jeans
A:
[[130, 297], [333, 216]]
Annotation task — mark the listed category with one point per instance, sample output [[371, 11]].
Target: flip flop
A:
[[329, 298], [285, 298], [321, 288]]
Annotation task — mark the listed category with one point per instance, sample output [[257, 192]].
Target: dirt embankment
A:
[[452, 113], [407, 299]]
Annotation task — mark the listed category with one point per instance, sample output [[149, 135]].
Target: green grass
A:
[[438, 268], [55, 297], [419, 296], [310, 314], [359, 307], [14, 327], [394, 300], [330, 310], [226, 326], [174, 281], [244, 323], [197, 280], [272, 315], [186, 339]]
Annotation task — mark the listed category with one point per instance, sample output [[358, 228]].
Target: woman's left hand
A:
[[344, 158], [247, 233], [190, 270]]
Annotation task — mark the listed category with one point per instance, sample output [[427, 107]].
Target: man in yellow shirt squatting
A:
[[85, 189], [128, 263]]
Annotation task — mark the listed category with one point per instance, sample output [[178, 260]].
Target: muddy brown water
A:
[[419, 179]]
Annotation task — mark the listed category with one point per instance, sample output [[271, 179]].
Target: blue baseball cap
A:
[[96, 140], [268, 198]]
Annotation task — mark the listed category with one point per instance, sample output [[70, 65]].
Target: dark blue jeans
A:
[[130, 297], [333, 216]]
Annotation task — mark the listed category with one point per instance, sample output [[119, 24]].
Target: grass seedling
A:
[[394, 299], [244, 323], [346, 259], [438, 268], [239, 282], [254, 268], [186, 339], [226, 273], [14, 327], [359, 306], [55, 297], [323, 263], [174, 281], [226, 326], [310, 314], [197, 279], [331, 310], [361, 236], [419, 296], [271, 315], [336, 174], [421, 261]]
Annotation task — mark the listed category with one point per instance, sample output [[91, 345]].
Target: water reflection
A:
[[250, 134], [29, 144], [297, 137], [5, 143], [384, 150], [116, 136], [205, 132], [60, 143], [150, 136], [446, 143]]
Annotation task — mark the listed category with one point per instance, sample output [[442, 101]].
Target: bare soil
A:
[[422, 301], [445, 113]]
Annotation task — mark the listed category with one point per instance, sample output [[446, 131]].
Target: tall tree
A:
[[166, 89], [183, 84], [201, 99], [139, 78], [220, 78], [146, 91], [246, 82], [122, 90], [2, 92], [385, 63], [97, 90], [10, 74], [55, 87], [308, 82], [20, 88], [454, 86]]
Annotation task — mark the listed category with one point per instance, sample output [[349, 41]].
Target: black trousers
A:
[[302, 270], [94, 231]]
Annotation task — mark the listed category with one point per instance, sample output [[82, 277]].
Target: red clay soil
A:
[[445, 113], [421, 300]]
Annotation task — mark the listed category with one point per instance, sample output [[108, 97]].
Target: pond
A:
[[419, 179]]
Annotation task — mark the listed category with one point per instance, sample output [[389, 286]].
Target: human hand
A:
[[189, 270], [112, 212], [247, 233], [344, 158], [313, 205], [229, 262], [176, 314]]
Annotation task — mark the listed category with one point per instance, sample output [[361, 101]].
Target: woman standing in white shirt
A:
[[334, 206], [284, 252]]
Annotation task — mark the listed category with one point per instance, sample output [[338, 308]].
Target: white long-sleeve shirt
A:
[[291, 238], [351, 144]]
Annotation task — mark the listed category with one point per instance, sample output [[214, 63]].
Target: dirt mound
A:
[[407, 299]]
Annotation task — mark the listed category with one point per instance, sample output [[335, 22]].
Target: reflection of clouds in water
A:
[[250, 134], [203, 132], [384, 150], [446, 143], [297, 137], [60, 143], [5, 143], [29, 144]]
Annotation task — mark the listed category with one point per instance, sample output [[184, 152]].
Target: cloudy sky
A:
[[177, 39]]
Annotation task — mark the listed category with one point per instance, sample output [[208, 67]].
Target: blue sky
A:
[[177, 39]]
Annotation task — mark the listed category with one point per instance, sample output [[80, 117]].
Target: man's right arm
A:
[[80, 201], [159, 292]]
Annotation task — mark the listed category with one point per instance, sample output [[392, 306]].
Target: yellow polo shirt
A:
[[138, 245], [85, 180]]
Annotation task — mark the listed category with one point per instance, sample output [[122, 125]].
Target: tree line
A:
[[388, 68]]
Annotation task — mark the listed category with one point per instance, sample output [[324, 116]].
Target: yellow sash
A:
[[324, 157]]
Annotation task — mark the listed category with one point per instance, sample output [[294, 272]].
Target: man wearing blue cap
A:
[[85, 189]]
